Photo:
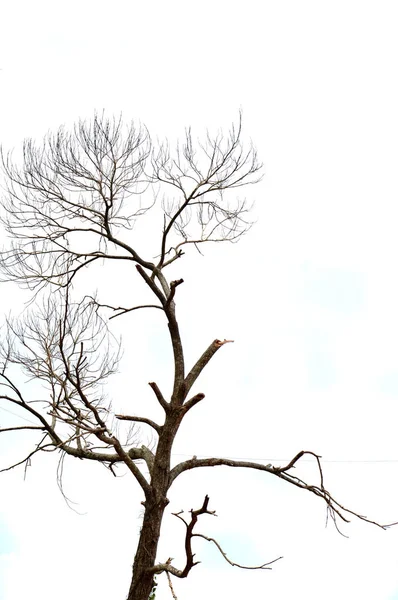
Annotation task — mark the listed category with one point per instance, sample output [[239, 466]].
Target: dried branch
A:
[[65, 444], [152, 285], [334, 508], [121, 310], [26, 461], [188, 543], [192, 401], [75, 182], [67, 346], [202, 362], [234, 564], [124, 311], [149, 422], [190, 563], [163, 403], [22, 427], [131, 465], [173, 285], [215, 165], [171, 586], [46, 426], [166, 299]]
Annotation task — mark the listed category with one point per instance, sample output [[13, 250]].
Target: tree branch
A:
[[149, 422], [334, 508], [234, 564], [125, 456], [159, 395], [168, 568], [188, 543], [26, 460], [202, 362], [121, 310], [45, 425], [166, 298], [22, 427], [173, 285], [192, 401], [151, 284]]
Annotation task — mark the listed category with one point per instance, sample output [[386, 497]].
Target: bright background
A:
[[310, 296]]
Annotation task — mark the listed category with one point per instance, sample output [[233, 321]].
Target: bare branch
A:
[[152, 285], [26, 460], [188, 543], [173, 285], [192, 401], [234, 564], [202, 362], [131, 465], [62, 346], [121, 310], [33, 412], [190, 563], [22, 427], [217, 164], [171, 586], [159, 395], [334, 508], [75, 182], [149, 422]]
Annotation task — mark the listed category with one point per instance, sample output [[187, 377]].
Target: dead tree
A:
[[70, 203]]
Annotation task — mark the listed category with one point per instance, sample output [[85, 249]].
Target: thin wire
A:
[[16, 415]]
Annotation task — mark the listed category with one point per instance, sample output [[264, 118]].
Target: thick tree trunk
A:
[[142, 581], [155, 504]]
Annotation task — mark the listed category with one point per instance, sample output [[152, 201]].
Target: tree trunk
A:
[[142, 581], [155, 504]]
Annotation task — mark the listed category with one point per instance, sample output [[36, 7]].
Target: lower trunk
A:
[[142, 581], [155, 504]]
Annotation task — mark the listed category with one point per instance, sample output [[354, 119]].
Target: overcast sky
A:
[[310, 296]]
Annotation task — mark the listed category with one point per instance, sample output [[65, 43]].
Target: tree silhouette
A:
[[72, 203]]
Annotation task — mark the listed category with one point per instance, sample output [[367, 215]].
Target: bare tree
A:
[[72, 202]]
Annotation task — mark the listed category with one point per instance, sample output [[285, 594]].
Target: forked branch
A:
[[190, 563], [334, 508]]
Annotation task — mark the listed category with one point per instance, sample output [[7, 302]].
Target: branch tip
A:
[[220, 343]]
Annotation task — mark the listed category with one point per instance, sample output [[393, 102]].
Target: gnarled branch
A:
[[190, 563], [334, 508]]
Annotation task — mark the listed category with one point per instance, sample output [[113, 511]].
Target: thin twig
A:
[[171, 586], [234, 564]]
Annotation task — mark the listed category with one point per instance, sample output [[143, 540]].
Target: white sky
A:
[[310, 295]]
